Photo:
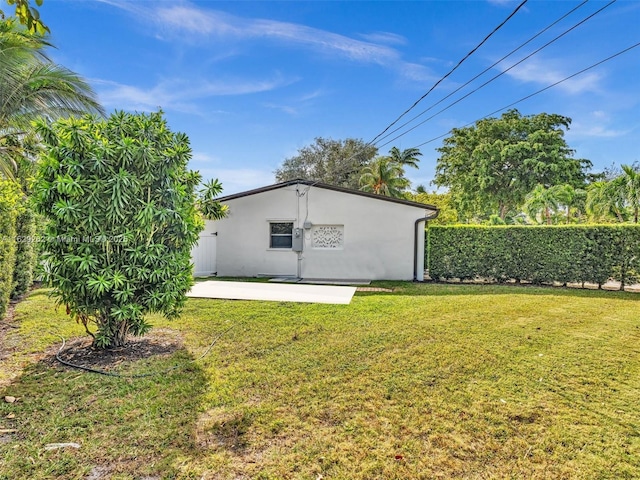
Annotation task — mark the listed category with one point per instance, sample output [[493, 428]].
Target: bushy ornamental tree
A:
[[122, 220]]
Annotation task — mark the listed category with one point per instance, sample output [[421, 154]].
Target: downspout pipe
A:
[[426, 218]]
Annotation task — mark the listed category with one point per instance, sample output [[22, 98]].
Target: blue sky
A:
[[252, 82]]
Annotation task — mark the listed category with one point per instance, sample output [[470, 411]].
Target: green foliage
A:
[[28, 16], [207, 204], [556, 204], [10, 207], [576, 253], [122, 220], [405, 158], [33, 86], [334, 162], [447, 215], [26, 221], [491, 166], [384, 177], [616, 199], [26, 253]]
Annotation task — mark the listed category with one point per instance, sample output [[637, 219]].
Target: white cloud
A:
[[188, 19], [291, 110], [186, 23], [312, 95], [296, 105], [385, 37], [548, 72], [202, 158], [598, 130], [601, 115], [179, 94], [416, 72]]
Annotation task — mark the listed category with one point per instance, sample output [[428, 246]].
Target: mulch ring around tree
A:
[[79, 351]]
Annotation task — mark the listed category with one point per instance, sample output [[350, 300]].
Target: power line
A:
[[450, 72], [501, 73], [536, 93], [486, 70]]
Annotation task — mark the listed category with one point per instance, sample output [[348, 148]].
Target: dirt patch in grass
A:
[[79, 351]]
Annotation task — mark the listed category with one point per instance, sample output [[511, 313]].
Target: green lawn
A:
[[431, 381]]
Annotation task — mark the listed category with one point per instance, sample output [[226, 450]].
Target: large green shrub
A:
[[122, 220], [538, 254], [9, 208]]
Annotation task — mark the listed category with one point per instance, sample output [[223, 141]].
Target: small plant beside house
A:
[[122, 220]]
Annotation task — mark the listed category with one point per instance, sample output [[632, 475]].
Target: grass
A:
[[431, 381]]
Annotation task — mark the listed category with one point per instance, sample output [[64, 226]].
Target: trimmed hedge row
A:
[[26, 252], [9, 204], [538, 254]]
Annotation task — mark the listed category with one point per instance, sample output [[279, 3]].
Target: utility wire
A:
[[487, 69], [500, 74], [504, 108], [450, 72], [537, 92], [467, 83]]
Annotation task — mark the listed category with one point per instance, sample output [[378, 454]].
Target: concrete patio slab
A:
[[275, 292]]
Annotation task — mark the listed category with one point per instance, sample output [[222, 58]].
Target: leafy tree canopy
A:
[[335, 162], [28, 15], [447, 215], [122, 220], [491, 166]]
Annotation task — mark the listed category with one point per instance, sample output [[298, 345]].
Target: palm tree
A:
[[405, 158], [541, 202], [383, 177], [605, 201], [630, 183], [32, 86], [571, 198]]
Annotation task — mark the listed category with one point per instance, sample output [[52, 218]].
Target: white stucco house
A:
[[314, 231]]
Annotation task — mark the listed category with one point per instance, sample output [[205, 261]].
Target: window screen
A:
[[281, 234]]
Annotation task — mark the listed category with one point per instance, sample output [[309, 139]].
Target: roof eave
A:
[[325, 186]]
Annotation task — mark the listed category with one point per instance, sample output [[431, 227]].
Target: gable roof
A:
[[327, 187]]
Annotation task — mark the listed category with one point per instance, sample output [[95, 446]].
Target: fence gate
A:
[[203, 256]]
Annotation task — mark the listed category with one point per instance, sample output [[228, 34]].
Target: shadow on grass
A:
[[444, 289], [130, 428]]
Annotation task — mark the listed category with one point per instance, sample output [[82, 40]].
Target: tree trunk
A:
[[503, 211], [111, 333]]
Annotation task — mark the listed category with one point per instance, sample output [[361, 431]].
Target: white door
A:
[[204, 256]]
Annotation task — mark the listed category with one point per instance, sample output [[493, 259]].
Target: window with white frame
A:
[[280, 234]]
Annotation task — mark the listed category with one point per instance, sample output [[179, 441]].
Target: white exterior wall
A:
[[378, 236]]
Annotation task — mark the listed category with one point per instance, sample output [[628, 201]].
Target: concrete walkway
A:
[[276, 292]]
